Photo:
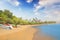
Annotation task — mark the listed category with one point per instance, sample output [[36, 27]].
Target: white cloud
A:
[[45, 3], [52, 15], [29, 1], [52, 11], [14, 2], [36, 13], [37, 7]]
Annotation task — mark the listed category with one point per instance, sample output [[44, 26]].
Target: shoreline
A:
[[23, 32]]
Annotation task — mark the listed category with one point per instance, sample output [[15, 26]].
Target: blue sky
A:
[[27, 9]]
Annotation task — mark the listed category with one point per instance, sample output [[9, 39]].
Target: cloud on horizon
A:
[[51, 9]]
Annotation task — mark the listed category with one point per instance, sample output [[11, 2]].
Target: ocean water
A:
[[51, 30]]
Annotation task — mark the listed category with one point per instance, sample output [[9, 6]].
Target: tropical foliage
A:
[[7, 17]]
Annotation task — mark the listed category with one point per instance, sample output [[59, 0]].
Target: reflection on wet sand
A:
[[40, 36]]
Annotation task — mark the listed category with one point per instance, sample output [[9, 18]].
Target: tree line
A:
[[7, 17]]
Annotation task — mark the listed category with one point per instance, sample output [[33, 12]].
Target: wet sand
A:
[[24, 32], [38, 36]]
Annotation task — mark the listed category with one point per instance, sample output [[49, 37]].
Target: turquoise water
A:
[[51, 29]]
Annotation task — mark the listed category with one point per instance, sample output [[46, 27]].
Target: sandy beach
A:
[[24, 32]]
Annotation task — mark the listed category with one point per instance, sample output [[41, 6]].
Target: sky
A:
[[42, 9]]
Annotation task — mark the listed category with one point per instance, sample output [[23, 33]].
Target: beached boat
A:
[[6, 26]]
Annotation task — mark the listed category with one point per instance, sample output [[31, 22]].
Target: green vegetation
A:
[[7, 17]]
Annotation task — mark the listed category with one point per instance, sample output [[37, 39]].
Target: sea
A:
[[52, 30]]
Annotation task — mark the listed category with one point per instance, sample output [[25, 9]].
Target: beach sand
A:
[[24, 32]]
